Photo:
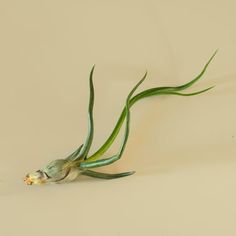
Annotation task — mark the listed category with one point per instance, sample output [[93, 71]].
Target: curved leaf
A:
[[88, 142], [141, 95], [107, 161], [101, 175]]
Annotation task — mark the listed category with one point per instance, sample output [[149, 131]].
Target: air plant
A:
[[79, 162]]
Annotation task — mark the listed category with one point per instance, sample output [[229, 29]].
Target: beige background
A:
[[183, 148]]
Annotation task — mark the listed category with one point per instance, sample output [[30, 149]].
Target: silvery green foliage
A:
[[56, 169], [79, 162]]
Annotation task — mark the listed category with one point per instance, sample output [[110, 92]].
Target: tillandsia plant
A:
[[79, 162]]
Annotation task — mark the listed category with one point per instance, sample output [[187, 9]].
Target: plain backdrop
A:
[[183, 149]]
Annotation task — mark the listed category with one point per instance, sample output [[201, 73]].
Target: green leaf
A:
[[107, 161], [147, 93], [101, 175], [73, 155], [88, 142]]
